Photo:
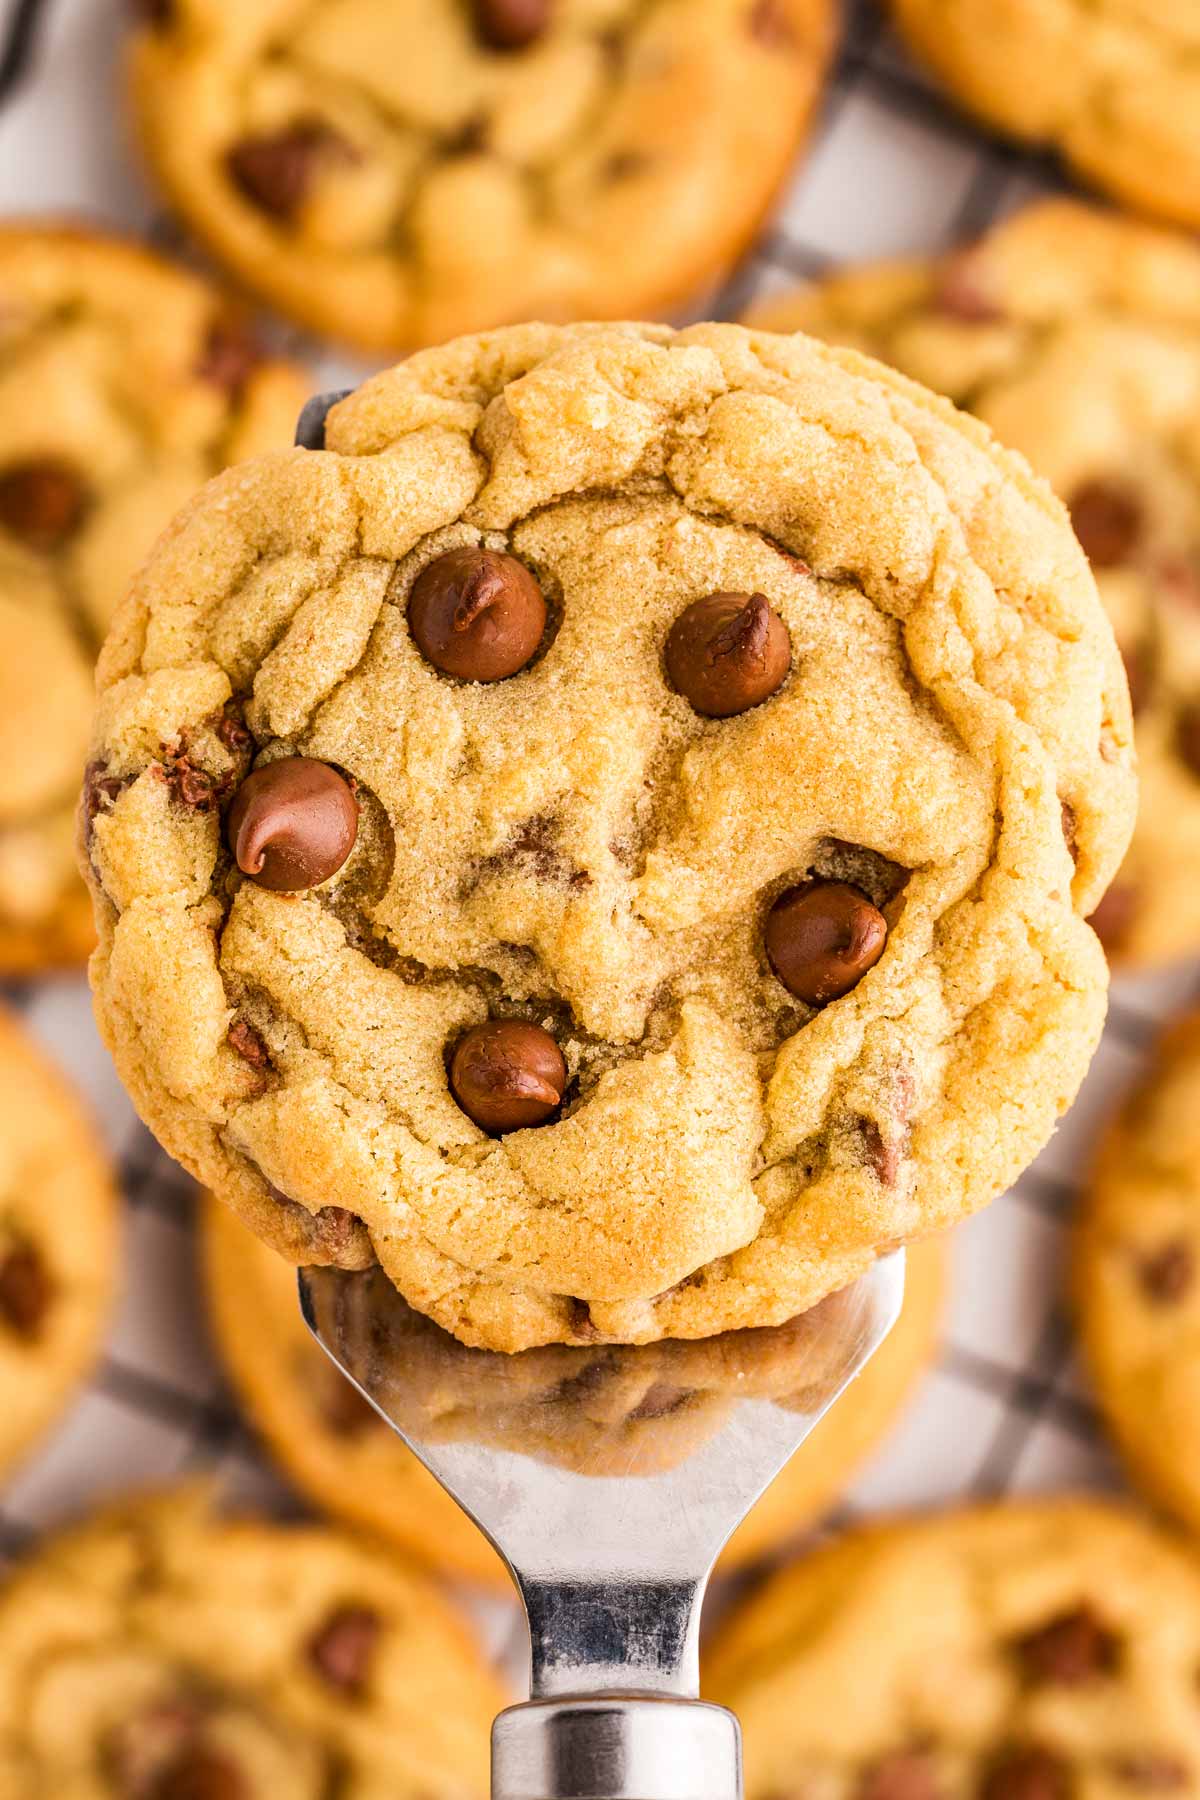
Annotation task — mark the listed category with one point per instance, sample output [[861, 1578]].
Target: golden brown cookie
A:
[[448, 918], [1136, 1273], [394, 172], [1075, 334], [339, 1452], [1030, 1650], [124, 384], [161, 1653], [1114, 87], [58, 1242]]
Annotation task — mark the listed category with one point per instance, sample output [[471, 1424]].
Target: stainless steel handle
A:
[[616, 1747]]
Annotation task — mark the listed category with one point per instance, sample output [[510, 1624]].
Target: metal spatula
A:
[[608, 1478]]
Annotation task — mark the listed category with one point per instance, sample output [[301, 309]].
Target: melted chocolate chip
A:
[[100, 792], [1112, 919], [1070, 824], [201, 1774], [26, 1290], [821, 939], [249, 1044], [230, 356], [905, 1775], [507, 1075], [1166, 1275], [1187, 737], [727, 653], [582, 1325], [533, 848], [192, 786], [233, 734], [292, 824], [511, 24], [1108, 522], [478, 614], [1027, 1774], [42, 503], [1075, 1648], [342, 1649], [275, 170]]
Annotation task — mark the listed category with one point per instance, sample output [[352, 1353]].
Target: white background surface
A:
[[892, 169]]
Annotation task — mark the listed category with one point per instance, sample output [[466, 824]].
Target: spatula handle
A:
[[616, 1747]]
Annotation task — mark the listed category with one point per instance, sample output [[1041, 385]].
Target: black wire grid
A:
[[892, 168]]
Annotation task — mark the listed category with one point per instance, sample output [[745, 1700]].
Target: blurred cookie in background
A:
[[347, 1461], [124, 384], [396, 174], [1136, 1274], [58, 1243], [1075, 333], [1114, 89], [1029, 1650], [159, 1651]]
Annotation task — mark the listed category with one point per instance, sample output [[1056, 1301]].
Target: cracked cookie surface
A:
[[394, 174], [58, 1242], [160, 1653], [341, 1454], [577, 851], [1076, 335], [124, 384], [1031, 1650], [1112, 85], [1136, 1269]]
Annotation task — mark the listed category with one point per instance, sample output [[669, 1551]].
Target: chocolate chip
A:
[[1116, 912], [248, 1043], [192, 786], [230, 356], [41, 503], [1151, 1771], [727, 653], [1187, 737], [885, 1156], [26, 1290], [275, 170], [821, 939], [1027, 1774], [201, 1774], [1166, 1275], [506, 1075], [511, 24], [963, 292], [475, 613], [341, 1650], [582, 1325], [233, 734], [1068, 1651], [1070, 823], [100, 792], [1108, 522], [905, 1775], [292, 824], [769, 25]]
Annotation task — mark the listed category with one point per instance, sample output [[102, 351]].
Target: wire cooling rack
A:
[[892, 169]]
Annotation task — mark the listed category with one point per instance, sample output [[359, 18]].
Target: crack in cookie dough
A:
[[159, 1651], [1113, 85], [1040, 1648], [723, 1151], [391, 177], [1075, 334], [124, 384]]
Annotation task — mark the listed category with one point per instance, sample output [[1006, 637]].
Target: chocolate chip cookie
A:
[[1031, 1650], [340, 1453], [1076, 335], [395, 174], [587, 1007], [161, 1653], [58, 1242], [1137, 1273], [124, 384], [1114, 88]]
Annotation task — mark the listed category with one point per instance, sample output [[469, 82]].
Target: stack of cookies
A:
[[619, 838]]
